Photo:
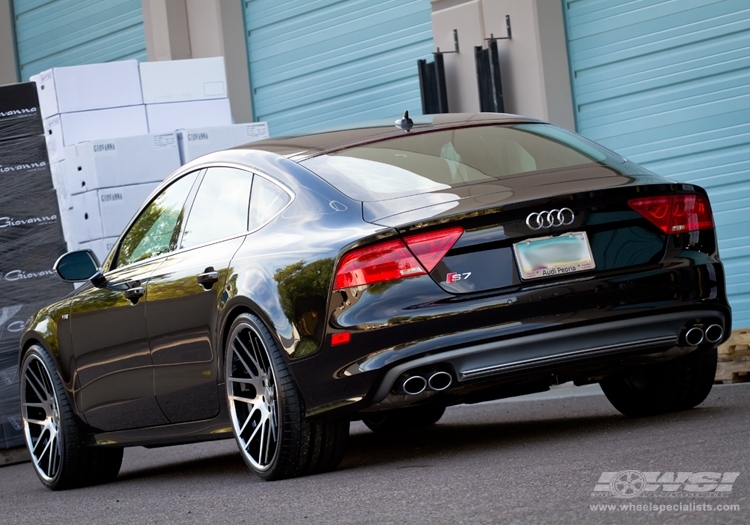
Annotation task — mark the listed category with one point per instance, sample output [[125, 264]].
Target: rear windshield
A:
[[440, 160]]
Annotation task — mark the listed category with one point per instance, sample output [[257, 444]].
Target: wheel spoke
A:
[[249, 356], [261, 442], [32, 375], [243, 380], [259, 356], [51, 455], [46, 446], [250, 439], [249, 417], [244, 364], [35, 421], [248, 401]]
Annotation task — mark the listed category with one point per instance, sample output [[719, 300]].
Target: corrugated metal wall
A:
[[667, 84], [315, 63], [51, 33]]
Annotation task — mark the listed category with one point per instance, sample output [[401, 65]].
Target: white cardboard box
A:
[[195, 142], [121, 161], [100, 247], [67, 129], [83, 219], [183, 80], [104, 213], [87, 87], [163, 118], [58, 169]]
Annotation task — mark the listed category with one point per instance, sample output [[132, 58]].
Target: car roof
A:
[[305, 146]]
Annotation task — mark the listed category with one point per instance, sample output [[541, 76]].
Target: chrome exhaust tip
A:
[[694, 336], [440, 381], [412, 385], [714, 333]]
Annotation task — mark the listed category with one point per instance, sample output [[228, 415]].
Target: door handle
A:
[[208, 277], [134, 294]]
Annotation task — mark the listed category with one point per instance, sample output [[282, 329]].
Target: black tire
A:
[[679, 384], [263, 399], [404, 419], [54, 434]]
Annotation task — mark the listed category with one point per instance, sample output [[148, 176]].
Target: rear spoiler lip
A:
[[431, 207]]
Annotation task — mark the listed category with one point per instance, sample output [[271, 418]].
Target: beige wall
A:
[[534, 63], [179, 29], [8, 71]]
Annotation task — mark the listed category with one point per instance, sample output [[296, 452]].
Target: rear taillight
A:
[[392, 260], [430, 248], [676, 213]]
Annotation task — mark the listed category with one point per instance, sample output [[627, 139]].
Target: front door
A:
[[115, 375], [110, 342]]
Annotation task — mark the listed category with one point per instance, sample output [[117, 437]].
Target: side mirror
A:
[[77, 266]]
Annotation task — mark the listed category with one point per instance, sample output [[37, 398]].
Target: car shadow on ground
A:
[[218, 465], [367, 449], [464, 438]]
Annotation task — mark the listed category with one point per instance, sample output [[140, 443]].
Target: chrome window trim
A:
[[173, 178]]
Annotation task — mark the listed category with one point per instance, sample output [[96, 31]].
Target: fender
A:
[[50, 328]]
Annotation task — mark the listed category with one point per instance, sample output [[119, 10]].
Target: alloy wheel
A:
[[41, 418], [253, 397]]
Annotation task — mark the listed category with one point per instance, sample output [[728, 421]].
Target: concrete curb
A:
[[14, 455]]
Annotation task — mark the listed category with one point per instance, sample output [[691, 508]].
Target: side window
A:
[[220, 206], [266, 201], [157, 228]]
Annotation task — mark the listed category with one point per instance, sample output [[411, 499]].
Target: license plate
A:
[[548, 256]]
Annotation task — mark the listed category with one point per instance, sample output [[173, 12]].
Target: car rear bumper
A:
[[515, 354], [565, 349]]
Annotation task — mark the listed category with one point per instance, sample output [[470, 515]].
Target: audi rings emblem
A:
[[548, 219]]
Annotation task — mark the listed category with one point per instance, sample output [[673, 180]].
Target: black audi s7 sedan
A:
[[277, 291]]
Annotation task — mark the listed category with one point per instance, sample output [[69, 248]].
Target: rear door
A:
[[187, 292]]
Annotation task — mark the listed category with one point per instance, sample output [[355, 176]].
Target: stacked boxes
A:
[[113, 131], [110, 132], [95, 101], [183, 80], [31, 239], [185, 94], [107, 180], [169, 117], [19, 112], [85, 104], [195, 142]]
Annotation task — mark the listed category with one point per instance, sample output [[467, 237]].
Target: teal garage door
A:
[[54, 33], [319, 63], [667, 84]]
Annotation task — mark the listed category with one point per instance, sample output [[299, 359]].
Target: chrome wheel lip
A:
[[265, 401], [47, 430]]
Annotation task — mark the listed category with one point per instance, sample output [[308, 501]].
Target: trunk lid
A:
[[498, 218]]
